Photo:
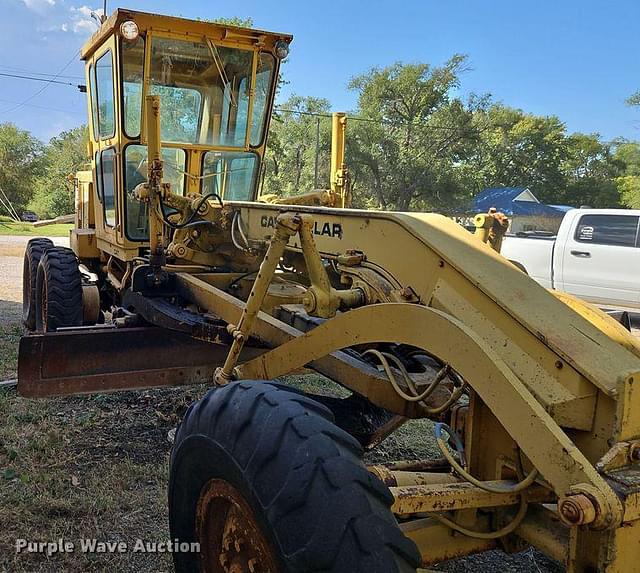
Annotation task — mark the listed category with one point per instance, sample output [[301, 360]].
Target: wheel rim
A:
[[27, 290], [231, 540], [43, 308]]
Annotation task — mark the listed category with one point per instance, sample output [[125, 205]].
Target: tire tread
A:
[[34, 251], [59, 271], [327, 512]]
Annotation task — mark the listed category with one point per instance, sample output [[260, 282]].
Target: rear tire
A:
[[58, 290], [32, 255], [316, 506]]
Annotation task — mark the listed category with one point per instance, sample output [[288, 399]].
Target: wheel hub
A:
[[231, 540]]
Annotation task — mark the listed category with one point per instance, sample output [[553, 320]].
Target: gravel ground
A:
[[11, 253], [81, 438]]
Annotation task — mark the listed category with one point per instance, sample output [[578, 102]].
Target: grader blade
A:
[[105, 360]]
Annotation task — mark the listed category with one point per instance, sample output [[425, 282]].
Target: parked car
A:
[[29, 216], [595, 256]]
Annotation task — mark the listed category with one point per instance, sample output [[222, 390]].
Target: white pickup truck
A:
[[595, 256]]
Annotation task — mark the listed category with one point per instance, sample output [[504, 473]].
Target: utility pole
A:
[[315, 172]]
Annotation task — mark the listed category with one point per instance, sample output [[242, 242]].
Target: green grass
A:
[[27, 229]]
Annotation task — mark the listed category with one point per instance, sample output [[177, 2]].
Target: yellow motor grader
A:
[[179, 273]]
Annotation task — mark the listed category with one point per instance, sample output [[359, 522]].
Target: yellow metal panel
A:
[[628, 413], [430, 243], [457, 496], [585, 347], [571, 403], [437, 543], [232, 34], [523, 417], [83, 243]]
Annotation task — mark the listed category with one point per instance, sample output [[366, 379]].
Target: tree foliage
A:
[[63, 157], [414, 144], [291, 154], [40, 176], [627, 154], [408, 147], [21, 163], [235, 21], [518, 149], [634, 99]]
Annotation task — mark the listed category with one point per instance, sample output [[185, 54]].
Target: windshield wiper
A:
[[220, 66]]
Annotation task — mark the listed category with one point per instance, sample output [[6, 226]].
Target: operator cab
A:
[[216, 85]]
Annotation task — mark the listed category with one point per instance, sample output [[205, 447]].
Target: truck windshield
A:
[[205, 91]]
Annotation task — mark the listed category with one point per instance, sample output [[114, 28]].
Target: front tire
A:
[[36, 248], [58, 290], [262, 459]]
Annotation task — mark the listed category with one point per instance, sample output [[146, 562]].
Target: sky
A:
[[576, 59]]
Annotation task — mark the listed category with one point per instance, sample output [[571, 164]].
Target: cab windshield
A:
[[205, 94], [204, 90]]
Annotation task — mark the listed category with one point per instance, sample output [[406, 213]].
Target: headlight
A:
[[129, 30], [282, 49]]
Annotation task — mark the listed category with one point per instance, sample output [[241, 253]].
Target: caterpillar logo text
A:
[[325, 229]]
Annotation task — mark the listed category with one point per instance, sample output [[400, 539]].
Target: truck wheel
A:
[[264, 481], [32, 255], [58, 290]]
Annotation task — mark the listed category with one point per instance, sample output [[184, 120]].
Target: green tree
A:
[[518, 149], [291, 151], [64, 155], [21, 161], [629, 189], [629, 183], [234, 21], [410, 143], [634, 99], [627, 153], [591, 170], [521, 150]]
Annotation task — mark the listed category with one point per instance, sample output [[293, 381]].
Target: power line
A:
[[38, 92], [14, 69], [44, 107], [369, 119], [53, 81]]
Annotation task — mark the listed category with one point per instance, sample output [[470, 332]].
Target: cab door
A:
[[102, 77], [601, 260]]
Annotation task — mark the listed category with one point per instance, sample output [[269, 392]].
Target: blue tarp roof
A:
[[503, 199]]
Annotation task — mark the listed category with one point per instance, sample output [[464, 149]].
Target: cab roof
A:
[[196, 28]]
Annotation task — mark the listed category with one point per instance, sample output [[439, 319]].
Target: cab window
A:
[[132, 77], [231, 175], [105, 96], [98, 177], [266, 63], [137, 227], [94, 101], [108, 190], [205, 91]]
